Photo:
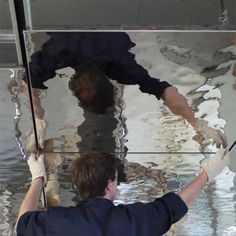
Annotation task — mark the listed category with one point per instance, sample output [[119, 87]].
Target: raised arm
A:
[[177, 103], [41, 125], [37, 169], [38, 110], [127, 71], [209, 170]]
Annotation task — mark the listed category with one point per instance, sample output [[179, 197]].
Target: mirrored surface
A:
[[118, 113], [14, 124], [149, 175]]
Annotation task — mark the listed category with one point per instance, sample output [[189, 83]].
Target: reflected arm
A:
[[177, 103], [179, 106], [39, 114], [128, 71], [38, 110]]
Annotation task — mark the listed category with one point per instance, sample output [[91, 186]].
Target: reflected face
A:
[[86, 95], [93, 90], [85, 91]]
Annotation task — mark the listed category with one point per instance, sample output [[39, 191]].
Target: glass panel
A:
[[5, 17], [114, 115], [8, 56], [74, 14]]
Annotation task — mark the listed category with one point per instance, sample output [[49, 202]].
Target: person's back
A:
[[98, 216], [70, 49], [96, 175]]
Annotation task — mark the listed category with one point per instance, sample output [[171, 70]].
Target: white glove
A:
[[37, 167], [41, 126], [215, 164], [218, 137]]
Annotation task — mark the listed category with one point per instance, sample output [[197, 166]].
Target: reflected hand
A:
[[41, 126], [37, 167], [215, 164], [52, 190], [215, 134]]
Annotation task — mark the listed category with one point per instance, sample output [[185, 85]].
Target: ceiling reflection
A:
[[118, 109]]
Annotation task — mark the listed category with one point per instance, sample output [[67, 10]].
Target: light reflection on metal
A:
[[15, 90], [224, 18]]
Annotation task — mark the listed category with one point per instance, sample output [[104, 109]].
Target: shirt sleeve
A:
[[128, 71], [54, 54], [169, 209], [32, 223], [155, 218]]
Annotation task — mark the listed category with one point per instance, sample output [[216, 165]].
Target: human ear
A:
[[109, 184]]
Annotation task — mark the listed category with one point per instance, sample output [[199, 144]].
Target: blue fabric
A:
[[98, 216], [33, 224], [108, 50]]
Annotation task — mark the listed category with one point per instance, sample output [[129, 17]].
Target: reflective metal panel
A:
[[122, 118], [14, 123]]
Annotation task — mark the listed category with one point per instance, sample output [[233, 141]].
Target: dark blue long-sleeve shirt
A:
[[108, 50], [98, 216]]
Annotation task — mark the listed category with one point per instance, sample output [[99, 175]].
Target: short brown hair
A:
[[102, 86], [91, 172]]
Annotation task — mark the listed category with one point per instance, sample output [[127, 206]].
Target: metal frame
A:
[[28, 15], [16, 32]]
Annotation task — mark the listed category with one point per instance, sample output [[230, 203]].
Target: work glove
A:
[[218, 137], [41, 126], [215, 164], [37, 167]]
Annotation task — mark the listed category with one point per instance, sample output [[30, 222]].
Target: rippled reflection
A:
[[202, 66], [119, 119]]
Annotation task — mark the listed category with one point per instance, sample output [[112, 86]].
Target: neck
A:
[[108, 196]]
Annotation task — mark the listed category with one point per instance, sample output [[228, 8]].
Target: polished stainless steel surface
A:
[[14, 123], [197, 63], [161, 151]]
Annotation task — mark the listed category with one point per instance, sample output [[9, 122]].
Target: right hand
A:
[[218, 137], [215, 164], [37, 167], [41, 126]]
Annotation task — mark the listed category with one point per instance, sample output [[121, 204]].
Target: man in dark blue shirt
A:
[[105, 54], [95, 177]]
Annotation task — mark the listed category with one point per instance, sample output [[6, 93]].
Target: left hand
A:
[[215, 134], [37, 167]]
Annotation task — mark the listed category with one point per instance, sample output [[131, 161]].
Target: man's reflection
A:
[[106, 54]]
